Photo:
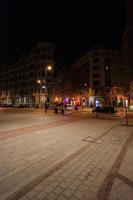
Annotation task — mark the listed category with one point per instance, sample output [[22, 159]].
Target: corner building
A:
[[94, 78], [128, 51], [29, 81]]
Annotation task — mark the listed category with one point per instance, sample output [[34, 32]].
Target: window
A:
[[22, 100], [49, 57], [43, 73], [107, 53], [113, 54], [95, 53], [27, 100], [107, 61], [43, 56], [31, 82], [96, 75], [95, 60], [95, 83], [95, 67]]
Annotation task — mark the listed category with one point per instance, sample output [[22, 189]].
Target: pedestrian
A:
[[62, 109], [46, 107], [76, 107], [56, 109]]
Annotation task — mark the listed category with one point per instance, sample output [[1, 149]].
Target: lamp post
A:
[[42, 88], [85, 93], [49, 70], [43, 84], [39, 83]]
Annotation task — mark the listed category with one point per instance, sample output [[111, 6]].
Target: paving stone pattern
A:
[[82, 177], [58, 163]]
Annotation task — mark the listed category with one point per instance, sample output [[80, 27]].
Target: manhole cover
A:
[[92, 139], [89, 139], [98, 141]]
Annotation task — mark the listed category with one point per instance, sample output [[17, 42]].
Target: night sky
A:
[[73, 27]]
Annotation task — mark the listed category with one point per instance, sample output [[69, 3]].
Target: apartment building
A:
[[63, 85], [30, 79], [128, 51], [95, 77]]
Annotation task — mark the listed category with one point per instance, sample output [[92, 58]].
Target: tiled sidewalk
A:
[[83, 177], [78, 159]]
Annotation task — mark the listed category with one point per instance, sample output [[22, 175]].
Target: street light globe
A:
[[106, 67], [38, 81], [49, 67]]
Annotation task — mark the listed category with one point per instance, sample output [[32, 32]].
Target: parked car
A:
[[4, 105], [105, 109], [9, 105], [21, 105]]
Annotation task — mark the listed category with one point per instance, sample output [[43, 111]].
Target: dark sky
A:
[[73, 27]]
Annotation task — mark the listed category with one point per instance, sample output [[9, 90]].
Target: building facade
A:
[[29, 80], [94, 78], [63, 85], [128, 51]]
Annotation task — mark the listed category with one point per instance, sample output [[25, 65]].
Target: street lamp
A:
[[43, 84], [42, 88], [84, 94], [49, 67], [49, 77], [39, 82]]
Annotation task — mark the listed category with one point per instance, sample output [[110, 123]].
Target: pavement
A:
[[48, 156]]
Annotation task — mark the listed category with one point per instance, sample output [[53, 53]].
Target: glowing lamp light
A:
[[106, 67], [49, 67], [126, 103], [38, 81]]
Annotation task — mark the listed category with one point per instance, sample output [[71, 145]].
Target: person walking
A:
[[62, 109], [56, 109], [46, 107]]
